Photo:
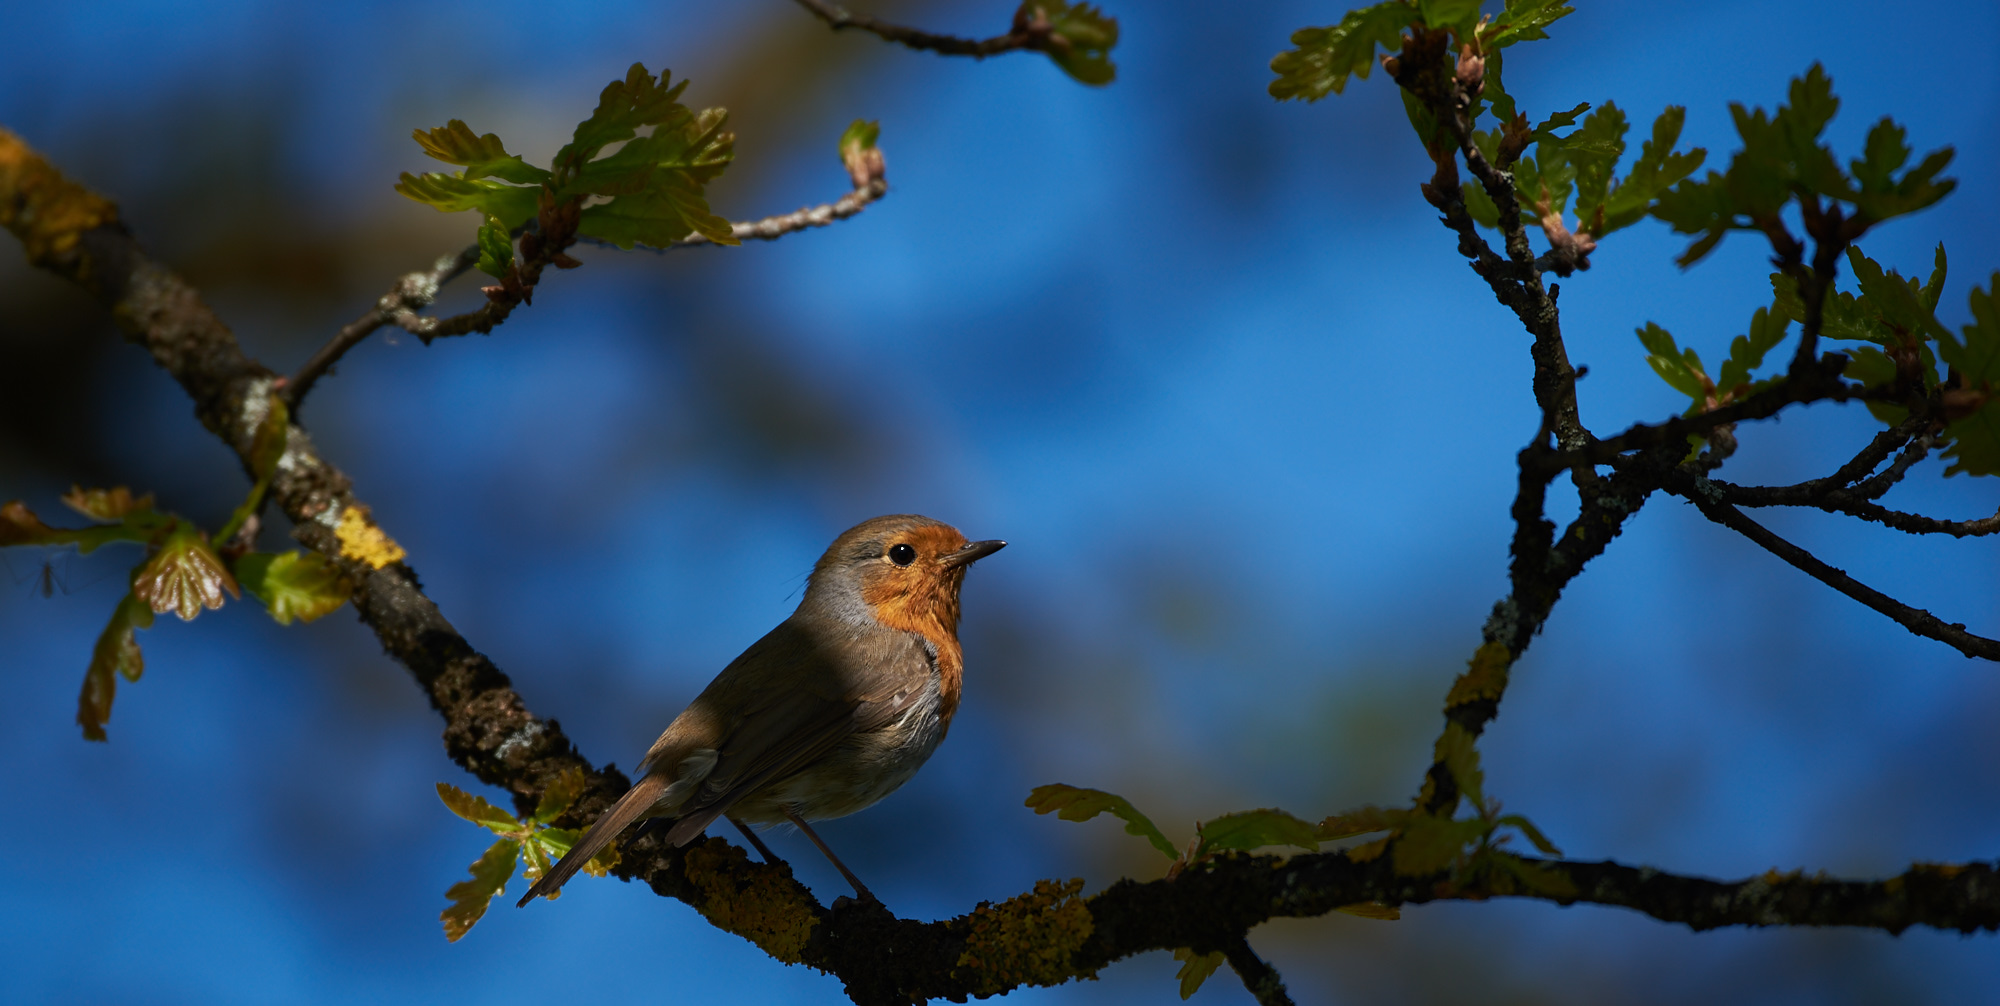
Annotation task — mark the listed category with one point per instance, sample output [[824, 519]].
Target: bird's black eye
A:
[[902, 555]]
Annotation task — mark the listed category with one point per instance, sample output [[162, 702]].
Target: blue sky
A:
[[1205, 359]]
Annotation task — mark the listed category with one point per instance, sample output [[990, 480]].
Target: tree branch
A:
[[1702, 494], [412, 293], [1259, 977], [1025, 33], [774, 227]]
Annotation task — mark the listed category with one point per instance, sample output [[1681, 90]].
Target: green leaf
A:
[[1885, 152], [1080, 39], [1523, 21], [1073, 803], [655, 219], [1360, 821], [116, 653], [477, 810], [1658, 169], [1746, 352], [1975, 448], [455, 143], [1457, 749], [1255, 829], [536, 856], [1595, 150], [860, 135], [560, 794], [301, 585], [1459, 15], [1430, 844], [1324, 58], [1934, 287], [1531, 878], [1873, 367], [623, 107], [184, 576], [470, 898], [1479, 205], [512, 205], [1533, 834], [1195, 969], [496, 249], [1681, 369], [688, 151]]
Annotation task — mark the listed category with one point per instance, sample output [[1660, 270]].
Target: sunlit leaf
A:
[[623, 108], [1072, 803], [301, 585], [455, 143], [512, 205], [1195, 969], [1523, 21], [1324, 58], [104, 504], [1457, 749], [477, 810], [470, 898], [184, 576], [657, 219], [1681, 369]]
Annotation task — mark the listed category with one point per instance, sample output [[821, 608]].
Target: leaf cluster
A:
[[1323, 59], [1783, 160], [650, 190], [531, 843], [1080, 38], [181, 570]]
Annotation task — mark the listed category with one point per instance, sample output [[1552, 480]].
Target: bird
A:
[[826, 714]]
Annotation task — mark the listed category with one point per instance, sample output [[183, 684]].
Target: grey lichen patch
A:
[[1028, 940], [520, 741]]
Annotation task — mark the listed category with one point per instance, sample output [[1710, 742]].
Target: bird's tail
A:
[[629, 808]]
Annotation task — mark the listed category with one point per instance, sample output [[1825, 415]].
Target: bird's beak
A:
[[971, 553]]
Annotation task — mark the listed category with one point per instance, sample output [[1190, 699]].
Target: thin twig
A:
[[412, 293], [1265, 984], [775, 227], [1921, 622], [1025, 34]]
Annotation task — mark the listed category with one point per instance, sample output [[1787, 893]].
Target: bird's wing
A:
[[802, 689]]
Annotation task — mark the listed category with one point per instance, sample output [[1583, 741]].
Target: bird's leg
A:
[[859, 887], [762, 849]]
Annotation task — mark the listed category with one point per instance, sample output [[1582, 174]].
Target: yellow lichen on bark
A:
[[45, 211], [761, 905], [361, 539], [1027, 940]]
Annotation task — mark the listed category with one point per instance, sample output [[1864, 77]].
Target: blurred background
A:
[[1206, 360]]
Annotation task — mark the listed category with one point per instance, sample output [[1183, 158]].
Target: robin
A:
[[828, 713]]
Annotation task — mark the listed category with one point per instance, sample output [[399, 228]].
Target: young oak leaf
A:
[[560, 794], [858, 153], [1080, 38], [20, 526], [1255, 829], [116, 653], [1975, 448], [1523, 21], [1073, 803], [293, 584], [482, 156], [106, 505], [470, 898], [1195, 969], [184, 576], [477, 810], [1324, 58]]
